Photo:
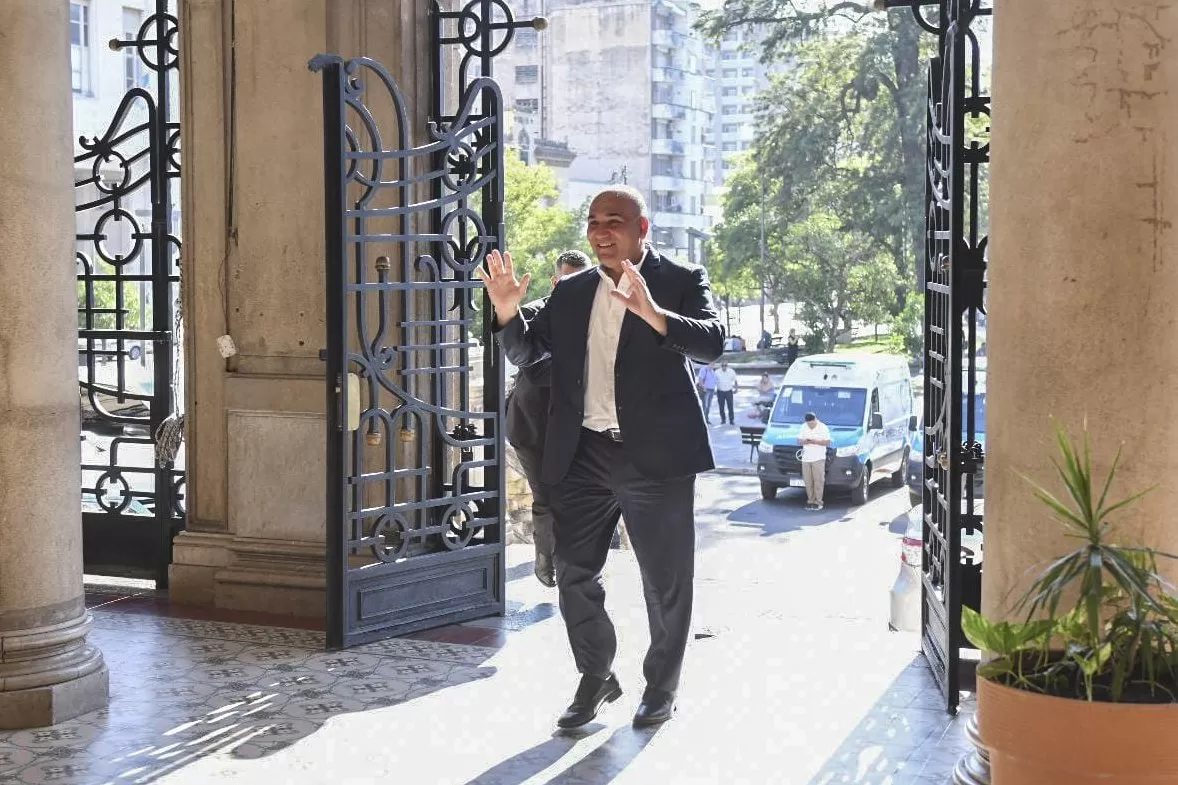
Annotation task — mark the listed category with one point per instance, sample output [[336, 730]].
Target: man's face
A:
[[812, 423], [564, 270], [723, 366], [615, 230]]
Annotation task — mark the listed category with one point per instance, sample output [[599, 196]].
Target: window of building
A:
[[747, 72], [530, 105], [694, 205], [730, 109], [730, 128], [80, 46], [729, 73], [728, 91], [132, 65], [526, 37], [728, 164], [747, 89], [729, 147], [527, 74], [746, 108], [732, 35], [729, 55], [745, 145]]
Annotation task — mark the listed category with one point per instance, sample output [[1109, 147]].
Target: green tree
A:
[[538, 227], [851, 108], [839, 274], [103, 299]]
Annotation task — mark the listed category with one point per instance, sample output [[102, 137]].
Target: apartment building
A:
[[616, 92]]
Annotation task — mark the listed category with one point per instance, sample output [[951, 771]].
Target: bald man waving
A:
[[626, 436]]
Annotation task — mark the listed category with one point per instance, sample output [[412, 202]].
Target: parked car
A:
[[916, 442], [865, 400], [906, 594], [103, 391]]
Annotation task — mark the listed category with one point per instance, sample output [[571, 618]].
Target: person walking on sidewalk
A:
[[726, 387], [814, 438], [626, 436], [705, 382], [527, 424]]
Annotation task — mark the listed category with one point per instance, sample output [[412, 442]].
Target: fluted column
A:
[[48, 672]]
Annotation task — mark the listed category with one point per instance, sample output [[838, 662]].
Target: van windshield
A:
[[838, 406]]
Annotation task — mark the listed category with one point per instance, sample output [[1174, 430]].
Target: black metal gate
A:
[[416, 484], [128, 253], [955, 270]]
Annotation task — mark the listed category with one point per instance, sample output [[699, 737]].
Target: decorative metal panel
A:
[[126, 189]]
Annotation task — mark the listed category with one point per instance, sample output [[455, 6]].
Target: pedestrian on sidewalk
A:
[[726, 386], [705, 383], [527, 425], [814, 438], [625, 436], [766, 390]]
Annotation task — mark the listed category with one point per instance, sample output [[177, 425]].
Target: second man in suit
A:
[[626, 436], [527, 424]]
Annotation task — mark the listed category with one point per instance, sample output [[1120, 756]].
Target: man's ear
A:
[[644, 225]]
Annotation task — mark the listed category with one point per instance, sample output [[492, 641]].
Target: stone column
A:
[[48, 673], [1083, 270]]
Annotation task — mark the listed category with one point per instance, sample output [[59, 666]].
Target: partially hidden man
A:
[[527, 424], [626, 436]]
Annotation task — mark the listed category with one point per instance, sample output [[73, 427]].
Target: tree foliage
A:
[[538, 227]]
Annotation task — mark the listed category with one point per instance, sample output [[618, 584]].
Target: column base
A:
[[39, 707], [974, 766]]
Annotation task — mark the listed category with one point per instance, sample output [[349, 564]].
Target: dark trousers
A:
[[602, 485], [725, 401], [530, 460]]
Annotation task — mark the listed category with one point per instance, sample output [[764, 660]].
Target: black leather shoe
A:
[[656, 708], [545, 572], [591, 693]]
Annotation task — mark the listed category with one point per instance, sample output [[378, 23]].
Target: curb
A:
[[733, 472]]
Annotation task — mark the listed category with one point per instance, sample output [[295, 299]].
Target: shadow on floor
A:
[[185, 689], [602, 765], [906, 737]]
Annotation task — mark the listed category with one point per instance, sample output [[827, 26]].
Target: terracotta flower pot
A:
[[1039, 740]]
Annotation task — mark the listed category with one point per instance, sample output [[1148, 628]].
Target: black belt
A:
[[613, 434]]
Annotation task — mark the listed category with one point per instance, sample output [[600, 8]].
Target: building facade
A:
[[619, 93]]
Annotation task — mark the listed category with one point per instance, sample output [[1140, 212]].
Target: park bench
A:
[[751, 435]]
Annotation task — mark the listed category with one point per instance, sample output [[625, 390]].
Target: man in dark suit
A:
[[626, 436], [527, 425]]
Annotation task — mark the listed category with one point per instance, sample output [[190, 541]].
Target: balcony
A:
[[675, 219], [666, 147], [667, 182], [662, 38]]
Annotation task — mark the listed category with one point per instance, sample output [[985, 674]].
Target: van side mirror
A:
[[877, 422], [912, 423]]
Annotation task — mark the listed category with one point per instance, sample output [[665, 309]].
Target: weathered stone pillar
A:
[[1083, 270], [48, 673], [254, 270]]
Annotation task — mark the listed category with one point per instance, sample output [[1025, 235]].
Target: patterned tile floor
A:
[[804, 694]]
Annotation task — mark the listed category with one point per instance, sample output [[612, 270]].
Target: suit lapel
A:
[[581, 311], [651, 269]]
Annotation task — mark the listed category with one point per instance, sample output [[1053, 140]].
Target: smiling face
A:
[[616, 230]]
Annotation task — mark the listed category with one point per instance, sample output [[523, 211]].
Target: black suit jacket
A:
[[527, 406], [662, 424]]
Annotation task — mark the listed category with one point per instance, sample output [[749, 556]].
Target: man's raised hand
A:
[[504, 291]]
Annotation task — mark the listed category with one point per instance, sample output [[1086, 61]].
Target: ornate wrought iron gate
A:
[[128, 256], [955, 271], [416, 488]]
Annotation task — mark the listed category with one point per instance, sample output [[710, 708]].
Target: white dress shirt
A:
[[601, 352]]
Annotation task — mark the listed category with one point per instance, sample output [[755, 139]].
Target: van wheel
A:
[[768, 491], [898, 475], [862, 492]]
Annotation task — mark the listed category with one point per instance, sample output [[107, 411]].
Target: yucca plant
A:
[[1118, 640]]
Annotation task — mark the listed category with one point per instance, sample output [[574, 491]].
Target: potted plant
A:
[[1085, 688]]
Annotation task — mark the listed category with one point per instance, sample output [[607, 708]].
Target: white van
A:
[[866, 402]]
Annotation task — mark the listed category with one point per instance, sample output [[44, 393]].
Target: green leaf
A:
[[1004, 638]]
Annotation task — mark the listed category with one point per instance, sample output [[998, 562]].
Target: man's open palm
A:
[[505, 292]]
